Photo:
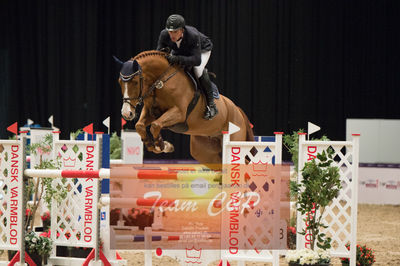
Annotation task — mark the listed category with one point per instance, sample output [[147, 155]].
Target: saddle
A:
[[197, 84], [183, 127]]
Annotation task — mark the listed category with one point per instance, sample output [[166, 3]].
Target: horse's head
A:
[[131, 82]]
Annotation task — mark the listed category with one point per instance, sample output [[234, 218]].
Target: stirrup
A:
[[211, 112]]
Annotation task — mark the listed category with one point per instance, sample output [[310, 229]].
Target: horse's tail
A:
[[249, 127]]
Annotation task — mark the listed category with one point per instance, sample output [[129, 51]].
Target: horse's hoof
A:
[[168, 147], [157, 149]]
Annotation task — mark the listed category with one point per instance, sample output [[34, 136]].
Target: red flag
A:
[[123, 122], [13, 128], [89, 129]]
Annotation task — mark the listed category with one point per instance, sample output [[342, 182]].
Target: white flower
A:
[[34, 240], [307, 256], [291, 256]]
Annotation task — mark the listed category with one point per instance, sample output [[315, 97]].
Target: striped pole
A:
[[52, 173], [137, 202], [141, 238], [129, 173]]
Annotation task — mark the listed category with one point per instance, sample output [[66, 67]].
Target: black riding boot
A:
[[211, 109]]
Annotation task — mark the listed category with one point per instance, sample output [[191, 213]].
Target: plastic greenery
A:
[[115, 146], [365, 256], [291, 142], [307, 257], [42, 188], [74, 135], [41, 245], [320, 185]]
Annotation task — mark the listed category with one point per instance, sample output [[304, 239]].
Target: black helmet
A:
[[174, 22]]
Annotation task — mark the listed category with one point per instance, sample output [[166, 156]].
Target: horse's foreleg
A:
[[169, 118], [142, 123]]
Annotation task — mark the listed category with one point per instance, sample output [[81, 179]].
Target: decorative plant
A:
[[115, 146], [308, 257], [46, 220], [320, 185], [365, 256], [291, 143], [41, 245], [45, 216], [74, 135], [42, 188], [291, 237]]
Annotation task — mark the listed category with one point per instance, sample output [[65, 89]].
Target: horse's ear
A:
[[135, 66], [119, 62]]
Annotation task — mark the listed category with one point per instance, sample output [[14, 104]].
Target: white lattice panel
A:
[[11, 199], [74, 221], [341, 215], [260, 230]]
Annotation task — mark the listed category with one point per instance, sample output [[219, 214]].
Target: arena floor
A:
[[378, 228]]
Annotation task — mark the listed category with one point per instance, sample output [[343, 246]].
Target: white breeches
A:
[[198, 70]]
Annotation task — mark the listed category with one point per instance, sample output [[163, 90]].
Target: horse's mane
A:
[[149, 53]]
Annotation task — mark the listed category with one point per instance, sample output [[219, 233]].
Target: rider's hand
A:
[[165, 50], [173, 59]]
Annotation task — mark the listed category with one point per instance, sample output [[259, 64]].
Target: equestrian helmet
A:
[[175, 22]]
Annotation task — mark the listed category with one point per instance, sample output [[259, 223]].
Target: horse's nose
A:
[[128, 116]]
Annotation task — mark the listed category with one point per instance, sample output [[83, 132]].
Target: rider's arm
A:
[[162, 40], [194, 57]]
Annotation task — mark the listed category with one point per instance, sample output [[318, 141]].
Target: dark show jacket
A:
[[192, 44]]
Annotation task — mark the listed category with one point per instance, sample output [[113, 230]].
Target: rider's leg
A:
[[201, 73]]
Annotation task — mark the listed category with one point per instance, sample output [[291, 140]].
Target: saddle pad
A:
[[197, 85]]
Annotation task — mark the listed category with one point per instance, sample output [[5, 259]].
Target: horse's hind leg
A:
[[207, 150]]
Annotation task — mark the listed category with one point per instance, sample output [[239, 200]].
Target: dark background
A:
[[284, 62]]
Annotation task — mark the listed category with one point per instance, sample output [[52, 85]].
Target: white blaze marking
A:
[[126, 90], [125, 107]]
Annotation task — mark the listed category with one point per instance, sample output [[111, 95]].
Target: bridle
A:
[[158, 84]]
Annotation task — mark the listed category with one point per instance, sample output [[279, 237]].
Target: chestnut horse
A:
[[171, 101]]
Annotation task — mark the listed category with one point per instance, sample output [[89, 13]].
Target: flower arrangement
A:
[[365, 256], [46, 216], [307, 257], [291, 237], [41, 245]]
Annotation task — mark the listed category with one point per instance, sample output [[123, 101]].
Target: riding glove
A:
[[174, 59]]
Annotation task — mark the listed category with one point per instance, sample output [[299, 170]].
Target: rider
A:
[[190, 48]]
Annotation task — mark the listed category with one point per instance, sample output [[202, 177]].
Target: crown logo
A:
[[193, 253], [260, 166], [68, 162]]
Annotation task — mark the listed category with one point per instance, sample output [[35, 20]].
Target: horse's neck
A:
[[153, 68]]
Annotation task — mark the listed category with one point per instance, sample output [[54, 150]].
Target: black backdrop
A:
[[285, 62]]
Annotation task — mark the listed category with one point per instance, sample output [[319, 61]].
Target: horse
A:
[[171, 101]]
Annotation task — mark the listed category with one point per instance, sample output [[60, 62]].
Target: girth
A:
[[183, 127]]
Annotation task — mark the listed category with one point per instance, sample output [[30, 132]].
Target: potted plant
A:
[[308, 257], [115, 146], [320, 185], [291, 237], [46, 220], [38, 247], [365, 256], [41, 190]]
